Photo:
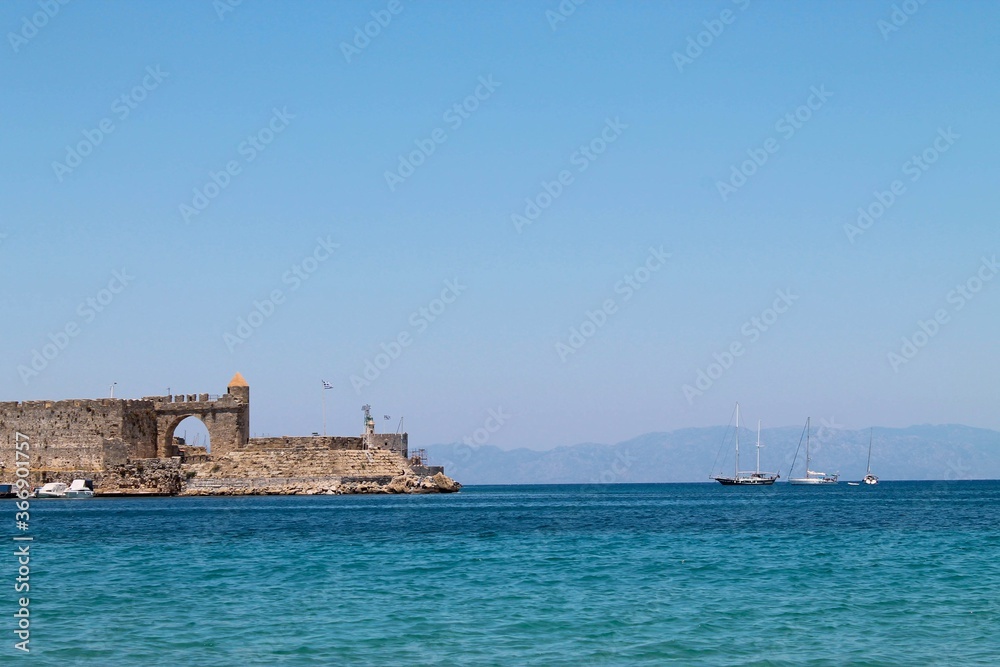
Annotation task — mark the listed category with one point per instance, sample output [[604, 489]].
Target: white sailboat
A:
[[747, 478], [812, 477], [869, 477]]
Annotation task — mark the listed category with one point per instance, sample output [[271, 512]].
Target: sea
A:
[[903, 573]]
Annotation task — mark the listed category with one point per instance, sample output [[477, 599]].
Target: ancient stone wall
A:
[[312, 462], [394, 442], [290, 442], [76, 434]]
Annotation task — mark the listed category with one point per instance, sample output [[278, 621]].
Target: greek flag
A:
[[327, 385], [386, 417]]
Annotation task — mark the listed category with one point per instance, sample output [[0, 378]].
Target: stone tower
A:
[[239, 388]]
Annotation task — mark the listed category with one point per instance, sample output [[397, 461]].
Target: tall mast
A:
[[758, 446], [870, 450], [807, 446], [737, 440]]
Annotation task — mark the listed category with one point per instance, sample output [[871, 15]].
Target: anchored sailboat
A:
[[755, 478], [811, 476], [869, 477]]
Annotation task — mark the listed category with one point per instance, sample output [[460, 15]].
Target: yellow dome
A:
[[238, 381]]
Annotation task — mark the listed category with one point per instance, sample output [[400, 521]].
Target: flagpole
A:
[[323, 392]]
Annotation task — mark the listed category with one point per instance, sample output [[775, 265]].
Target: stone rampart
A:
[[307, 442], [78, 434], [314, 462]]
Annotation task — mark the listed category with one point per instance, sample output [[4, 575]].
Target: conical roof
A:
[[238, 381]]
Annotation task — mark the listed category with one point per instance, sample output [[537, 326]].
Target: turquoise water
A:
[[902, 573]]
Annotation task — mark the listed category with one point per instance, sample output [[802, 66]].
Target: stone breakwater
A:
[[318, 471], [439, 483], [308, 471]]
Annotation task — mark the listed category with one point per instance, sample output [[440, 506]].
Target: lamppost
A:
[[113, 389]]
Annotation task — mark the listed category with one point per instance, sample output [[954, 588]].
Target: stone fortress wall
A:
[[128, 446], [78, 434]]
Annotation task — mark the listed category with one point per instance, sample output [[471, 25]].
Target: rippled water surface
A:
[[902, 573]]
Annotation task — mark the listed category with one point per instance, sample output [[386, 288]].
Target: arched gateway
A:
[[227, 417]]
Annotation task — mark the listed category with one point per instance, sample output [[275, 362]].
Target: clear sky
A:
[[674, 169]]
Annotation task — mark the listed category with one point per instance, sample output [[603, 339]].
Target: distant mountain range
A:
[[690, 455]]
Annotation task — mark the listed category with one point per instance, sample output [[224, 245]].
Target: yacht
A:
[[869, 477], [811, 477], [746, 477]]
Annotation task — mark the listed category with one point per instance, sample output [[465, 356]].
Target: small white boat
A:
[[812, 477], [52, 490], [79, 489], [869, 477]]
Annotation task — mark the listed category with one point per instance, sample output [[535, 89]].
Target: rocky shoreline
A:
[[153, 477], [402, 484]]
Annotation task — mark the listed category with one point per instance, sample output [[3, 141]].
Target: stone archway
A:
[[226, 418], [180, 428]]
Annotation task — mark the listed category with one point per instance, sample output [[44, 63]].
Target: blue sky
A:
[[206, 90]]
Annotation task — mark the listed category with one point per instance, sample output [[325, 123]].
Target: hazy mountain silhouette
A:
[[947, 451]]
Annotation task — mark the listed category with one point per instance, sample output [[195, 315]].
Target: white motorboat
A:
[[812, 477], [80, 488], [52, 490]]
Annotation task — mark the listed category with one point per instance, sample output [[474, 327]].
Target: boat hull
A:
[[809, 481], [745, 481]]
